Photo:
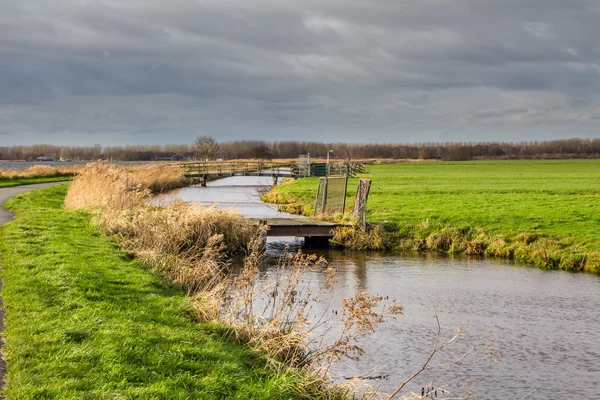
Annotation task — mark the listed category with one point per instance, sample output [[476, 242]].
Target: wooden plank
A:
[[296, 227], [299, 230]]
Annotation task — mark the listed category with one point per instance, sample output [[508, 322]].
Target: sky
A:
[[81, 72]]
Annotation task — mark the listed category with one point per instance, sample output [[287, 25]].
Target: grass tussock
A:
[[352, 237], [182, 241], [288, 203]]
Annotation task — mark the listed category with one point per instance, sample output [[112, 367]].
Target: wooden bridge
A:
[[218, 169], [210, 170], [315, 233]]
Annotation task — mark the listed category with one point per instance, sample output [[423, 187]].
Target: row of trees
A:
[[206, 147]]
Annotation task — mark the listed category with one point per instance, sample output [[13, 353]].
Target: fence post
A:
[[324, 201], [360, 203]]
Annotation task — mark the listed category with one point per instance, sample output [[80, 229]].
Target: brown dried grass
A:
[[40, 171], [119, 196]]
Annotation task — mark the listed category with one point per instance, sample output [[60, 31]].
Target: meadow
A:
[[544, 213]]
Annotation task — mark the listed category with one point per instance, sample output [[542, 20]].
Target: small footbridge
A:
[[315, 233], [211, 170]]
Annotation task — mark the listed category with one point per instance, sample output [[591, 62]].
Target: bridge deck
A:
[[297, 227]]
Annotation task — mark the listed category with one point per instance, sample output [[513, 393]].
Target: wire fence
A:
[[331, 195]]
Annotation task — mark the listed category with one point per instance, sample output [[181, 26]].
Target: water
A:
[[241, 193], [544, 324]]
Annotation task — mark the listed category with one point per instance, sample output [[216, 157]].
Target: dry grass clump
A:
[[179, 228], [105, 187], [271, 314], [120, 195], [353, 238], [158, 177], [39, 171]]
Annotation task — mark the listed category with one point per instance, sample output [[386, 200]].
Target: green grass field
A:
[[31, 181], [554, 200], [83, 320]]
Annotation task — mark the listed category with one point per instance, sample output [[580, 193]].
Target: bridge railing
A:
[[220, 168]]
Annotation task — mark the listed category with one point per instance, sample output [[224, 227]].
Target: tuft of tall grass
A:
[[352, 237]]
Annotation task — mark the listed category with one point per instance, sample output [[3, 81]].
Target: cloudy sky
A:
[[157, 72]]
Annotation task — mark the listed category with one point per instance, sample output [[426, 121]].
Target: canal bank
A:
[[85, 319], [543, 213]]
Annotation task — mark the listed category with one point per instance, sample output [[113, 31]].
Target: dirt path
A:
[[6, 216]]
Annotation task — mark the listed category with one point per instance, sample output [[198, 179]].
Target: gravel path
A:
[[6, 216]]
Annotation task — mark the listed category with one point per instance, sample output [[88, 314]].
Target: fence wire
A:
[[331, 195]]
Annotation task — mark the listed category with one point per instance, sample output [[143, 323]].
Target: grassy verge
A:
[[31, 181], [543, 213], [84, 320]]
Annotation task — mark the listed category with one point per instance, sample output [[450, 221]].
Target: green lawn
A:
[[83, 320], [558, 200], [30, 181]]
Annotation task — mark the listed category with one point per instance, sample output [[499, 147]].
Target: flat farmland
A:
[[557, 202]]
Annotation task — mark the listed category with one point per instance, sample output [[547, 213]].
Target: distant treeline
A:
[[454, 151]]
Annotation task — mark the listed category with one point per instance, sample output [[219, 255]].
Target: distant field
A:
[[559, 200]]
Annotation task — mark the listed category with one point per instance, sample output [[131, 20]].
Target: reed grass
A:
[[184, 242]]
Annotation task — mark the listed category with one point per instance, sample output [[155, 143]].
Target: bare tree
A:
[[205, 147]]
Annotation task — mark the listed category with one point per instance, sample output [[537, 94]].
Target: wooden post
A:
[[324, 200]]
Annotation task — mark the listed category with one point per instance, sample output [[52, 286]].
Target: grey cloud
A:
[[259, 68]]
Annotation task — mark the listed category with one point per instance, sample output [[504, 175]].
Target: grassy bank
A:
[[543, 213], [85, 320]]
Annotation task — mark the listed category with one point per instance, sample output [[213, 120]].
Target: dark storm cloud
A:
[[403, 71]]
